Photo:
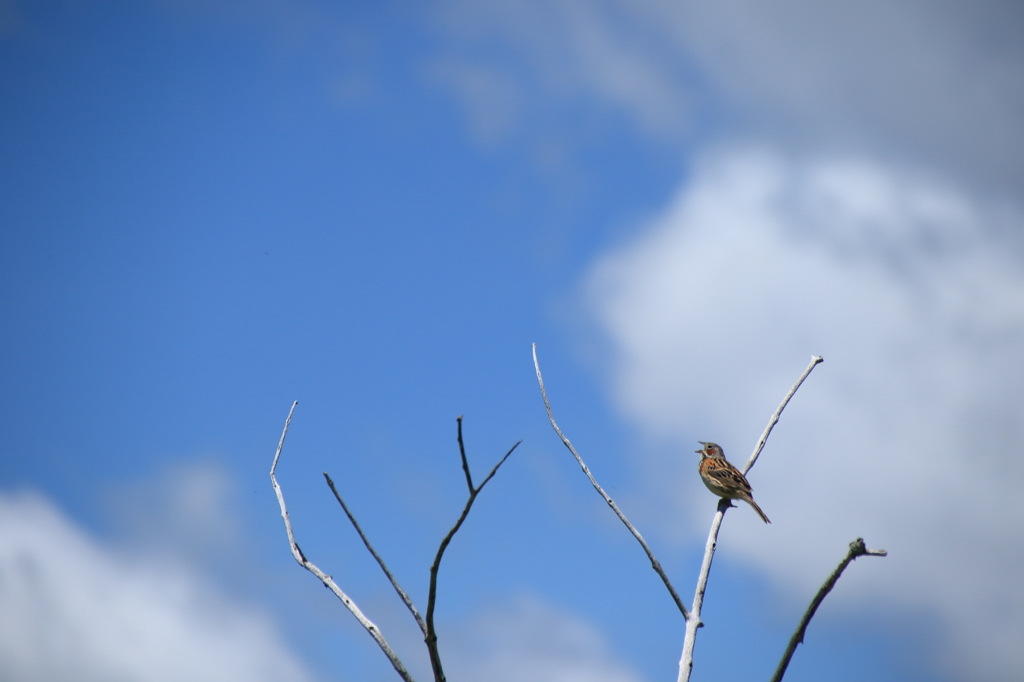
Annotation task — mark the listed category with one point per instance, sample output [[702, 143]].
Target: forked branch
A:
[[857, 549], [431, 633], [693, 620], [327, 580], [655, 564]]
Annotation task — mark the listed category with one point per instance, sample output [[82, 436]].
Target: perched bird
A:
[[723, 479]]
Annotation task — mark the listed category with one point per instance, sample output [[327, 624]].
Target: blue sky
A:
[[213, 209]]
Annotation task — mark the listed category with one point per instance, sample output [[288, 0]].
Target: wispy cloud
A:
[[910, 433], [562, 57], [74, 609], [527, 639], [933, 82]]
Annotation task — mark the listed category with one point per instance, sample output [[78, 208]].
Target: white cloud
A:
[[910, 434], [529, 640], [937, 78], [936, 82], [186, 510], [76, 610]]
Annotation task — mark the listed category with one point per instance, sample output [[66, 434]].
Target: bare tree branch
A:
[[655, 564], [327, 580], [693, 620], [431, 632], [465, 462], [775, 417], [857, 549], [394, 583]]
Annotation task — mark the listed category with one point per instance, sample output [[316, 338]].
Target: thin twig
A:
[[394, 583], [431, 632], [857, 549], [327, 580], [693, 620], [655, 564], [815, 360], [465, 462]]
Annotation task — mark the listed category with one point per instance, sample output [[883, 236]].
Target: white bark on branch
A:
[[693, 619], [327, 580], [815, 361], [655, 564]]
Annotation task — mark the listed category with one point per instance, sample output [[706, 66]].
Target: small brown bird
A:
[[723, 479]]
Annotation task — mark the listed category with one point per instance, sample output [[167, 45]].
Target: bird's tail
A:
[[750, 501]]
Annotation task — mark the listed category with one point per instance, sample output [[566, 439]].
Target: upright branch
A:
[[394, 583], [655, 564], [465, 462], [815, 360], [693, 620], [327, 580], [857, 549], [431, 633]]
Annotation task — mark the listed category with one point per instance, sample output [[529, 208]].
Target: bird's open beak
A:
[[702, 449]]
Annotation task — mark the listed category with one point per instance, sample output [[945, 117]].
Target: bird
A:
[[723, 479]]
